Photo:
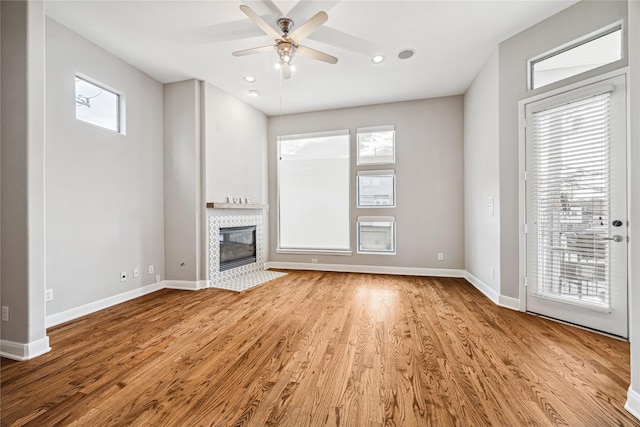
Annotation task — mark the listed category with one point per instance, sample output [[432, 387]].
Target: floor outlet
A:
[[48, 295], [123, 276], [440, 256], [151, 269], [5, 313], [136, 272]]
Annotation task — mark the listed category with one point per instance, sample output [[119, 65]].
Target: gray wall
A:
[[182, 181], [104, 190], [236, 148], [634, 114], [482, 175], [572, 23], [22, 153], [429, 171]]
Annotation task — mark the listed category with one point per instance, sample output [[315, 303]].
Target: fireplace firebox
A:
[[237, 246]]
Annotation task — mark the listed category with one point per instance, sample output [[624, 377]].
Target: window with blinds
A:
[[569, 197], [313, 192]]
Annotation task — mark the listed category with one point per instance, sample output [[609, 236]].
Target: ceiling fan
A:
[[288, 44]]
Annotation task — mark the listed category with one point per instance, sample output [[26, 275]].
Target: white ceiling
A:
[[179, 40]]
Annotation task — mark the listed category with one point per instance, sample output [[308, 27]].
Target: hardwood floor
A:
[[316, 348]]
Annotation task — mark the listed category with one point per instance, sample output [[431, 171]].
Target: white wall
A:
[[104, 190], [429, 173], [22, 216], [570, 24], [482, 176], [633, 402]]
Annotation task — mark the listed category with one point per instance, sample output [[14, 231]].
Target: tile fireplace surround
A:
[[243, 277]]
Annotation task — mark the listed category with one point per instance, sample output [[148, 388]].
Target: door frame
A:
[[522, 212]]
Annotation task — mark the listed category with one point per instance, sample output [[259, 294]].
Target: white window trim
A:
[[372, 129], [376, 172], [391, 219], [619, 25], [302, 251], [122, 122]]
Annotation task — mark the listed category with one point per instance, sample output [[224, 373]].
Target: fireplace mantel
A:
[[223, 205]]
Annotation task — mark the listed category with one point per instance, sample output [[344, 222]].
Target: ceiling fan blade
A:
[[253, 50], [316, 54], [304, 8], [286, 71], [309, 27], [260, 22]]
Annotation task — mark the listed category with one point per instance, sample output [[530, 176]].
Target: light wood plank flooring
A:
[[316, 348]]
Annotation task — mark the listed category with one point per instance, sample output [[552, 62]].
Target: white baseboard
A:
[[374, 269], [74, 313], [509, 302], [487, 290], [187, 285], [21, 352], [633, 403]]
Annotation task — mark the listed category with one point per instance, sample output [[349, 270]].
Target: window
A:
[[376, 234], [376, 145], [376, 188], [579, 56], [313, 192], [98, 105]]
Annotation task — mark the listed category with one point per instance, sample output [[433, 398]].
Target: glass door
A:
[[576, 211]]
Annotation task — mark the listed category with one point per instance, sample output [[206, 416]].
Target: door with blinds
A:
[[576, 207]]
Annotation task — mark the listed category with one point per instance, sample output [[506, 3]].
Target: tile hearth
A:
[[247, 276]]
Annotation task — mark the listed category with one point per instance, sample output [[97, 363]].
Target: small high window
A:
[[376, 145], [579, 56], [99, 105]]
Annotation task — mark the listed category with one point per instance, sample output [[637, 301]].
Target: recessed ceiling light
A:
[[249, 79], [254, 93], [406, 54], [377, 59]]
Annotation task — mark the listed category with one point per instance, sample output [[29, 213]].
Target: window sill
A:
[[314, 252]]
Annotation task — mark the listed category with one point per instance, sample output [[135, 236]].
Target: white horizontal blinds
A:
[[570, 162]]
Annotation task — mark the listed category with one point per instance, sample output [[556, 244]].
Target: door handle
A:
[[615, 238]]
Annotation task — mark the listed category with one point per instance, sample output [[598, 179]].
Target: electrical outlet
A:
[[440, 256], [136, 272], [314, 260], [151, 269], [5, 313], [123, 276], [157, 278], [48, 295]]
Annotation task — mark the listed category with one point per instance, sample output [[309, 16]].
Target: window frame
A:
[[321, 251], [609, 29], [374, 219], [374, 129], [120, 104], [376, 172]]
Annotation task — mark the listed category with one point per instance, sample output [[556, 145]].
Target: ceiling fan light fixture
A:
[[377, 59]]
